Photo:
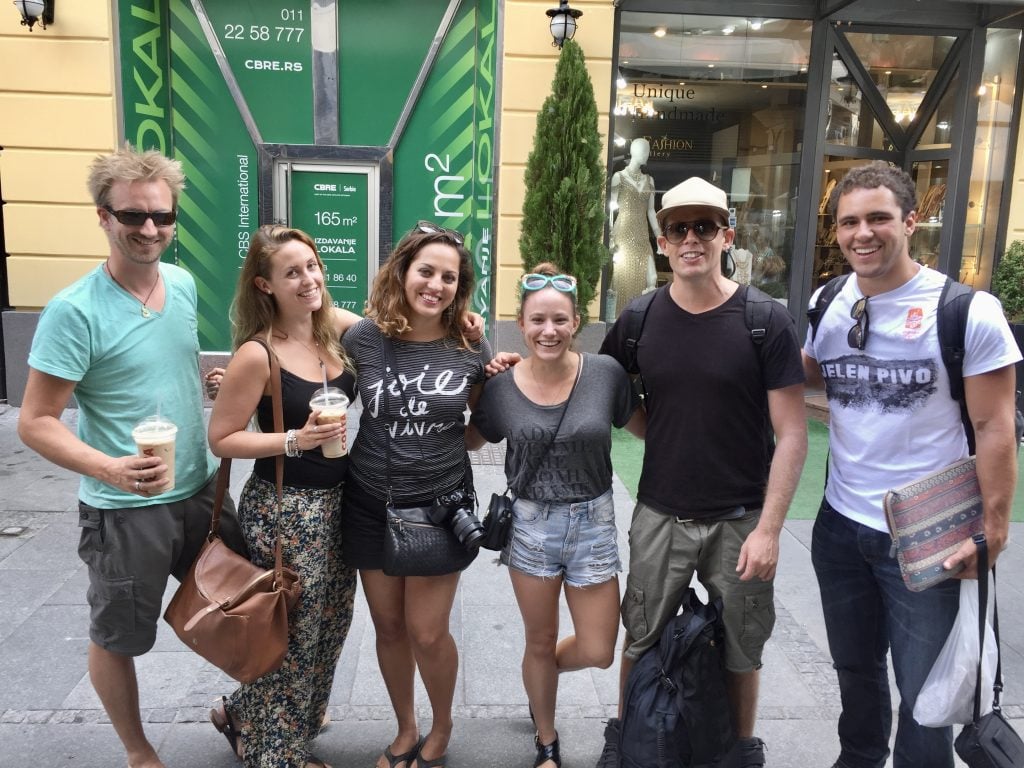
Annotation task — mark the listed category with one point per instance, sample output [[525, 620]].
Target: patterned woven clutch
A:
[[929, 520]]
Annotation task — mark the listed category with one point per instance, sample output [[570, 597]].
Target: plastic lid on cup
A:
[[325, 398], [154, 426]]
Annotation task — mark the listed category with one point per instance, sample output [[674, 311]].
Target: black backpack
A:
[[675, 712], [954, 304], [757, 312]]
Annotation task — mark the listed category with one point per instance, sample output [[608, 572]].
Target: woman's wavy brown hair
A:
[[253, 312], [387, 305]]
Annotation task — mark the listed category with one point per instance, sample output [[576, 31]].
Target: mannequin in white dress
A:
[[632, 208]]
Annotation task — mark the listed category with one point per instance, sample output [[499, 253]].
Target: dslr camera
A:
[[455, 510]]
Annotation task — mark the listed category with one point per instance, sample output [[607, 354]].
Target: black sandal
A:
[[405, 757], [222, 722], [547, 752]]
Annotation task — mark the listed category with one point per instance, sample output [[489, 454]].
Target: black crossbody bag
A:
[[498, 523], [416, 541]]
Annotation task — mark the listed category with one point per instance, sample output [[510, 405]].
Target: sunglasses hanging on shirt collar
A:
[[857, 336]]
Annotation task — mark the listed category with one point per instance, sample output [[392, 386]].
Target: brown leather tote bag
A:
[[233, 613]]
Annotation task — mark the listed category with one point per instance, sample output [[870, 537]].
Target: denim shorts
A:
[[576, 541]]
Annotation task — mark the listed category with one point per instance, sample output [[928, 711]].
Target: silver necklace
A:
[[315, 352], [145, 301]]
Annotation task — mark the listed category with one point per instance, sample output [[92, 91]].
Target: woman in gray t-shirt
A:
[[556, 409]]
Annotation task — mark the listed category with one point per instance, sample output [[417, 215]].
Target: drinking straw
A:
[[323, 373]]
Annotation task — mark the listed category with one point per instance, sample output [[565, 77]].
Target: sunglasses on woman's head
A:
[[132, 218], [563, 283], [704, 229], [426, 228]]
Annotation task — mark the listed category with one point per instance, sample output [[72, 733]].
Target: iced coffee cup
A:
[[155, 436], [332, 404]]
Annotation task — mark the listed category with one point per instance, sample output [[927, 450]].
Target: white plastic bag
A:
[[947, 696]]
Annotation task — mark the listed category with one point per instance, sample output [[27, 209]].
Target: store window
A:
[[915, 79], [902, 67], [720, 97], [991, 146], [849, 122]]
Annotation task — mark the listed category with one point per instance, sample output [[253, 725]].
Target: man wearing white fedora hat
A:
[[726, 442]]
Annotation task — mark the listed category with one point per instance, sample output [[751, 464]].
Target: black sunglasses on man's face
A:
[[704, 229], [131, 218]]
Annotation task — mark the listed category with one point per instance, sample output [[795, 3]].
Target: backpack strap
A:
[[825, 297], [757, 313], [636, 318], [954, 304]]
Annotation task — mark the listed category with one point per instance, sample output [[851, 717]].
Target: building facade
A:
[[353, 121]]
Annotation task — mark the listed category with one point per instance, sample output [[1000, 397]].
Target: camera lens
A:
[[467, 527]]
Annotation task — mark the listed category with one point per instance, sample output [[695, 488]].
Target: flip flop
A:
[[222, 722], [405, 757], [437, 762]]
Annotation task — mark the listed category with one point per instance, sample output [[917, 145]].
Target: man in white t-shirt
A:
[[893, 420]]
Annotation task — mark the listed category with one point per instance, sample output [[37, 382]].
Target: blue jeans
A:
[[868, 611]]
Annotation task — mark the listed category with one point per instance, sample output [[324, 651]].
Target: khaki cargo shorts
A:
[[664, 554]]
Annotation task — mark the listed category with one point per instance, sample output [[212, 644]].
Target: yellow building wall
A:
[[528, 66], [57, 112]]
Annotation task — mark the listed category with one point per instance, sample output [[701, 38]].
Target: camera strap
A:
[[390, 364], [565, 409]]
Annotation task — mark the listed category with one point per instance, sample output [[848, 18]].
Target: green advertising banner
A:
[[218, 210], [444, 158], [176, 98], [481, 232], [333, 207], [145, 81], [268, 46], [377, 71], [434, 158]]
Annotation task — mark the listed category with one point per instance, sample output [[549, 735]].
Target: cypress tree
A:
[[563, 210]]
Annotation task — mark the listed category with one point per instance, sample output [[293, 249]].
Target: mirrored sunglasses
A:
[[132, 218], [425, 228], [704, 229], [563, 283]]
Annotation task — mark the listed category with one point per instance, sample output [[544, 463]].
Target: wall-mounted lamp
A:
[[35, 10], [563, 22]]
